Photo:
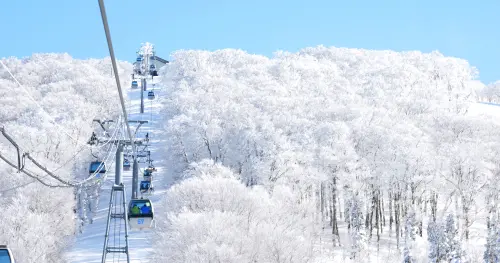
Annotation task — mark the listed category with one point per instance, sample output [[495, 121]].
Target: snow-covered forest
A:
[[324, 155], [490, 93], [327, 155], [50, 116]]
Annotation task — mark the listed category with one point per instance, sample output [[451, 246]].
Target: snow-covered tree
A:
[[394, 126], [212, 216], [50, 117], [453, 247], [492, 252], [410, 235]]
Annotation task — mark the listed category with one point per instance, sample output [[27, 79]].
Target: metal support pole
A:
[[135, 178], [126, 223], [106, 236], [119, 164], [143, 83], [19, 165], [120, 216]]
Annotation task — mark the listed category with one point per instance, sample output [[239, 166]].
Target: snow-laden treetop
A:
[[146, 49], [294, 104]]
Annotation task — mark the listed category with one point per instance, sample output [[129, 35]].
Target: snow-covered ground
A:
[[89, 244], [491, 109]]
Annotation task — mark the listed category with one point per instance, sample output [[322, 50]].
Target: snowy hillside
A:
[[88, 244], [324, 156], [490, 92], [51, 118]]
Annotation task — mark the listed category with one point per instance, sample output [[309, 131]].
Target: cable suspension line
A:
[[65, 183], [31, 175], [115, 70]]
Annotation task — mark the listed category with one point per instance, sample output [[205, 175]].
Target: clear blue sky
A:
[[466, 29]]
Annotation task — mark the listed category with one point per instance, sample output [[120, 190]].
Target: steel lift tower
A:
[[117, 211]]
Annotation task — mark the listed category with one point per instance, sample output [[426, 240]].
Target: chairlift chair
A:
[[6, 255], [135, 85], [97, 167], [137, 216]]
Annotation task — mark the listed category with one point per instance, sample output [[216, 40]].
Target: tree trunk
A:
[[434, 198], [335, 228], [391, 219], [397, 196], [377, 215]]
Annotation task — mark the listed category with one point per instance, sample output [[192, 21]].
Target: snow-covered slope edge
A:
[[362, 143], [39, 222]]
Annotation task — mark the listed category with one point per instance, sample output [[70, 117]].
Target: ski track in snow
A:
[[88, 245]]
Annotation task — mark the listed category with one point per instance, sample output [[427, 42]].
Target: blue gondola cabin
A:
[[140, 214], [148, 175], [146, 186], [97, 167], [126, 165], [6, 255]]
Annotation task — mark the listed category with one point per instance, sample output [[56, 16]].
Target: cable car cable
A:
[[49, 173], [25, 171], [115, 69]]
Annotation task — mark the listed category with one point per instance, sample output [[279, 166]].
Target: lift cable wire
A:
[[65, 183], [16, 187], [115, 132], [41, 108], [37, 177], [50, 173], [115, 135], [115, 69]]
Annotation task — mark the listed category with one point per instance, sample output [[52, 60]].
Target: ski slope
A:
[[88, 245], [491, 109]]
